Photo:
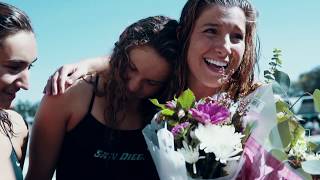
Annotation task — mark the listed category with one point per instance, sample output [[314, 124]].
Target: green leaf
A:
[[269, 77], [273, 63], [156, 103], [296, 130], [283, 107], [312, 146], [311, 167], [186, 99], [248, 130], [284, 133], [280, 155], [167, 112], [303, 174], [283, 80], [277, 89], [316, 99], [267, 72], [278, 61]]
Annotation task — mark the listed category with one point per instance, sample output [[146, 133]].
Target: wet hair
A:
[[241, 82], [12, 21], [157, 32]]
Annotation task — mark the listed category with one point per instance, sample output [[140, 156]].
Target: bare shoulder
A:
[[19, 126], [68, 108], [73, 95]]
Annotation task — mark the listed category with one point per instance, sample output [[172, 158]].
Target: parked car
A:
[[305, 110]]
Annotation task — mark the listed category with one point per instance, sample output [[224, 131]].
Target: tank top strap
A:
[[93, 94]]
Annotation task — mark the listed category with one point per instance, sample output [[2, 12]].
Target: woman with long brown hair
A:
[[17, 52], [93, 130]]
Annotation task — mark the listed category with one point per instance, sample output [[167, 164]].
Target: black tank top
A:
[[88, 152]]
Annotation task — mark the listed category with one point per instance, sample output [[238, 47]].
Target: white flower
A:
[[299, 149], [222, 140], [191, 155], [181, 113]]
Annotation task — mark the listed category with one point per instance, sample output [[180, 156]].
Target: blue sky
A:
[[70, 30]]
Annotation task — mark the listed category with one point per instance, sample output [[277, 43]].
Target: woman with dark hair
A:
[[17, 53], [93, 130]]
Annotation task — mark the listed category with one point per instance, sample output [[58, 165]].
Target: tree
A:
[[308, 81], [26, 109]]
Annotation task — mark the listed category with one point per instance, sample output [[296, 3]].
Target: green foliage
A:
[[311, 166], [167, 112], [277, 76], [26, 109], [316, 99], [156, 103], [186, 100], [307, 82]]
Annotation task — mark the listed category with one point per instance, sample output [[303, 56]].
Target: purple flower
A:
[[210, 112], [177, 129], [171, 104]]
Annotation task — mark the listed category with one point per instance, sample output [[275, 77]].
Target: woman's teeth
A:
[[216, 63]]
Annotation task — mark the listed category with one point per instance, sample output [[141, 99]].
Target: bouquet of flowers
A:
[[198, 139], [287, 153]]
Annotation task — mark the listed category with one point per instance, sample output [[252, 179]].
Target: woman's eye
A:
[[154, 83], [14, 69], [237, 37], [211, 31]]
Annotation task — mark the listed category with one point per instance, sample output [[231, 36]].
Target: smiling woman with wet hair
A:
[[17, 52]]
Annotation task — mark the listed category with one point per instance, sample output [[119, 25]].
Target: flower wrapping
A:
[[264, 153], [214, 135]]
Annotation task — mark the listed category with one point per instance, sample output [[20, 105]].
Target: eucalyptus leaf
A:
[[316, 99], [278, 61], [156, 103], [280, 155], [284, 132], [273, 63], [283, 107], [167, 112], [303, 174], [311, 167], [269, 77], [283, 80], [312, 146], [277, 89], [267, 72], [186, 99]]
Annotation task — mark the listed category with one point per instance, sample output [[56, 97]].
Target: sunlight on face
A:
[[17, 53], [217, 45], [147, 72]]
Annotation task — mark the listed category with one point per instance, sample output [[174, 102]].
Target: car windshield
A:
[[307, 107]]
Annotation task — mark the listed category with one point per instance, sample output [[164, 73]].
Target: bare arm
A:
[[47, 136], [67, 74]]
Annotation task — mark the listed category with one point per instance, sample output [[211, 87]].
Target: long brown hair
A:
[[241, 82], [158, 32], [12, 21]]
